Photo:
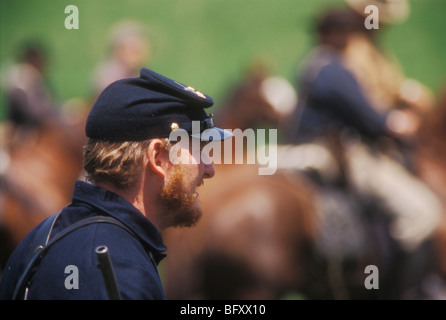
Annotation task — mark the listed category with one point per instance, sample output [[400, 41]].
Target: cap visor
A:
[[213, 134]]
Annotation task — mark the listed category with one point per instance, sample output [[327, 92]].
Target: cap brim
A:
[[213, 134]]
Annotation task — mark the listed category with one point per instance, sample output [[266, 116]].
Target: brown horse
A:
[[431, 167], [252, 241], [38, 172], [255, 238], [260, 236], [263, 236]]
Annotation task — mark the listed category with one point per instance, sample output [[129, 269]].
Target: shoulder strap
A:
[[43, 244]]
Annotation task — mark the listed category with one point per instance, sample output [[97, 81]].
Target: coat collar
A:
[[110, 203]]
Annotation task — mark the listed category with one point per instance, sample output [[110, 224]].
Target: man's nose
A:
[[209, 171]]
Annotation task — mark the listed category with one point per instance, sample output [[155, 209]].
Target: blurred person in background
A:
[[330, 95], [335, 111], [405, 101], [379, 74], [130, 49], [29, 100], [382, 104]]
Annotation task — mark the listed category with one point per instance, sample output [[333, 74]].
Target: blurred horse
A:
[[375, 211], [301, 230], [255, 238], [38, 170], [430, 166], [267, 237]]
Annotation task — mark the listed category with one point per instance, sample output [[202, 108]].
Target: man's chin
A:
[[195, 216], [181, 215], [190, 219]]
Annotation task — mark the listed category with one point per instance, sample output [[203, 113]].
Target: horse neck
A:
[[242, 106], [432, 132], [229, 118]]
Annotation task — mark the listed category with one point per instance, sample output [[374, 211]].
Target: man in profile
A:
[[133, 183]]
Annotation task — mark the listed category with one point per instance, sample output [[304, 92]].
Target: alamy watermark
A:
[[245, 147], [372, 20], [72, 279], [372, 280], [72, 20]]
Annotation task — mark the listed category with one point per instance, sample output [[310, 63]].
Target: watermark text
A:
[[245, 147]]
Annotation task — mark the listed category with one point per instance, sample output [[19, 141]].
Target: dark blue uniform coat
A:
[[330, 97], [134, 260]]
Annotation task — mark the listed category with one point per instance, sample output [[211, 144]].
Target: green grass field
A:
[[205, 43]]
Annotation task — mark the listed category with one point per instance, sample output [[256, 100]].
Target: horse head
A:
[[260, 99]]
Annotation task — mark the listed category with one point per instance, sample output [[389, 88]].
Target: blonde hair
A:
[[117, 162]]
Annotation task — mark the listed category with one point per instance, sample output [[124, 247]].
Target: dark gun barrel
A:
[[105, 265]]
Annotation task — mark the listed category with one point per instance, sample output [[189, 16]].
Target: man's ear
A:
[[157, 157]]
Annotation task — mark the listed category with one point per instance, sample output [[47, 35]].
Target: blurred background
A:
[[208, 44], [226, 49]]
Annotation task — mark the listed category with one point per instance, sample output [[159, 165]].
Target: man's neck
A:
[[137, 198]]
